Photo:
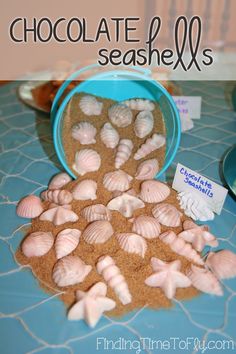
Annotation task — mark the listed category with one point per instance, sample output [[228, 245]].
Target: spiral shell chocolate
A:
[[147, 169], [146, 226], [167, 214], [120, 115], [124, 151], [85, 190], [117, 181], [57, 196], [84, 132], [109, 136], [153, 191], [96, 212], [139, 104], [66, 241], [132, 243], [86, 160], [150, 145], [90, 106], [37, 244], [98, 232], [143, 124]]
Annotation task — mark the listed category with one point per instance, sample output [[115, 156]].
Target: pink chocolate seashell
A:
[[143, 124], [222, 264], [84, 132], [147, 169], [120, 115], [85, 190], [57, 196], [124, 151], [111, 273], [37, 244], [146, 226], [70, 270], [109, 136], [139, 104], [125, 204], [98, 232], [179, 246], [90, 106], [167, 214], [203, 280], [117, 181], [59, 181], [199, 238], [154, 191], [86, 160], [150, 145], [59, 215], [66, 241], [189, 224], [96, 212], [29, 207], [132, 243]]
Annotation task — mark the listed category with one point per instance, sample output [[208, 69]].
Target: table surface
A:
[[31, 321]]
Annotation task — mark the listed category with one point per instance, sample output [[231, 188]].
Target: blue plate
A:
[[229, 169]]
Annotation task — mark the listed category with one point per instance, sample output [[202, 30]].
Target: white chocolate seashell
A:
[[111, 273], [199, 238], [59, 181], [143, 124], [85, 190], [96, 212], [195, 206], [66, 241], [117, 181], [189, 224], [139, 104], [203, 280], [120, 115], [222, 264], [58, 214], [150, 145], [132, 243], [124, 151], [70, 270], [181, 247], [167, 214], [57, 196], [147, 169], [84, 132], [86, 160], [90, 106], [29, 207], [98, 232], [109, 136], [153, 191], [125, 204], [37, 244], [146, 226]]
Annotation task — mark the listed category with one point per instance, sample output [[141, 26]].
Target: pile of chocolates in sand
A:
[[115, 239]]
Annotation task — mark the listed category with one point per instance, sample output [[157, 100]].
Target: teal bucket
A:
[[119, 85]]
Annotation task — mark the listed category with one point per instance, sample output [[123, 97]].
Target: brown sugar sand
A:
[[134, 268]]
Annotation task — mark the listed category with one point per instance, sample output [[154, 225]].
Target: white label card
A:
[[188, 180], [190, 105]]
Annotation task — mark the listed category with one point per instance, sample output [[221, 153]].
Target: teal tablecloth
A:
[[31, 321]]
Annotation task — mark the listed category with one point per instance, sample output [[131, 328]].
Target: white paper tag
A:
[[188, 180], [190, 105]]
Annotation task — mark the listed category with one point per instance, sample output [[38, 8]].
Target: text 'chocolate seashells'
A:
[[66, 241], [179, 246], [57, 196], [96, 212], [109, 136], [70, 270], [147, 169], [98, 232], [59, 181], [154, 191], [150, 145], [132, 243], [58, 214], [123, 153], [37, 244], [146, 226], [167, 214], [139, 104], [125, 204], [85, 190], [120, 115], [204, 281], [222, 264], [86, 160], [84, 132], [143, 124], [90, 106], [117, 181], [29, 207]]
